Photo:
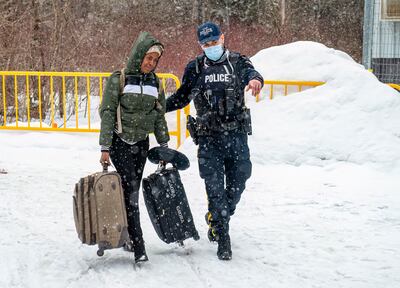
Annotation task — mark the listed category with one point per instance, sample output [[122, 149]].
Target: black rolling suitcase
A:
[[165, 197]]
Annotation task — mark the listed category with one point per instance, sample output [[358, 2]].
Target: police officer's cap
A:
[[208, 31]]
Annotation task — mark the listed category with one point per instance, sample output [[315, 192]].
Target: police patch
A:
[[205, 31]]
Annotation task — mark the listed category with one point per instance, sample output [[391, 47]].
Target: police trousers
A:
[[224, 164]]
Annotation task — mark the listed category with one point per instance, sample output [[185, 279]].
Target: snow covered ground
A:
[[322, 208]]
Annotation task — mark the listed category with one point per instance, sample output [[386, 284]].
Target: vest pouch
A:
[[216, 101], [230, 100], [191, 126], [203, 122], [246, 121], [208, 122], [221, 108]]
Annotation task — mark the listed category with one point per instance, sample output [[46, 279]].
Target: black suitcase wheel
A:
[[196, 236], [100, 252]]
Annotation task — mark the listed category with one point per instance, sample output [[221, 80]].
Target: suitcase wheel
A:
[[100, 252], [196, 236]]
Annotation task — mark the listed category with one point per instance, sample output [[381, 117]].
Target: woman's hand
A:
[[105, 158]]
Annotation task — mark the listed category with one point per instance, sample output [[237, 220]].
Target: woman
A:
[[130, 111]]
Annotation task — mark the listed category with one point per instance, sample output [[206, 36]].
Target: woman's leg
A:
[[129, 160]]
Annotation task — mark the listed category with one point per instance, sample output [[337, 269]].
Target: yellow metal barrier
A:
[[299, 84], [272, 85], [46, 92], [395, 86], [39, 77]]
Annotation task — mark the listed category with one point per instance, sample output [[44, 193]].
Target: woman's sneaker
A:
[[141, 258], [138, 249], [140, 252]]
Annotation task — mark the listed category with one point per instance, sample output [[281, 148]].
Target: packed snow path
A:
[[337, 226]]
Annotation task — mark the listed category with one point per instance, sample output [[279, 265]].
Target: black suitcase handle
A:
[[168, 155]]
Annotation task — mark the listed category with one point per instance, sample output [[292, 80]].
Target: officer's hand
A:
[[105, 158], [255, 87]]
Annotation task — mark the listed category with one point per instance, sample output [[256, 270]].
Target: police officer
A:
[[216, 81]]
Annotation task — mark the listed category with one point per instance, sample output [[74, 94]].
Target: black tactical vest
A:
[[217, 90]]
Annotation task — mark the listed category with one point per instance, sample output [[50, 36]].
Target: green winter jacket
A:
[[141, 112]]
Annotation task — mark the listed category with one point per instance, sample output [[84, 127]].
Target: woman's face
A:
[[149, 62]]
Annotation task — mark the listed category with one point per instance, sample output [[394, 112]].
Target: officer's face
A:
[[149, 62], [213, 43]]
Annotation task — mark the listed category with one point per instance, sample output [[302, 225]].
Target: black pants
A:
[[224, 157], [129, 160]]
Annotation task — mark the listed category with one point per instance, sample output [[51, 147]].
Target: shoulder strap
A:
[[199, 63], [121, 89], [234, 57], [121, 81]]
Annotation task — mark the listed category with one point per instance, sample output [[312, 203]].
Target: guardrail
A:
[[300, 85], [271, 85], [47, 93], [48, 103], [394, 86]]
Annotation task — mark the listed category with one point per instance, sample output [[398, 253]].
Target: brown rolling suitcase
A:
[[99, 211]]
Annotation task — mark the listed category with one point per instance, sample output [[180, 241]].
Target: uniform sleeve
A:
[[247, 72], [181, 97], [108, 111], [160, 126]]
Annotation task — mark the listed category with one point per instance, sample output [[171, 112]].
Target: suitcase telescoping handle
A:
[[161, 166]]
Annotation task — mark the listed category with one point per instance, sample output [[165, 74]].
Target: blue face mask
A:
[[214, 52]]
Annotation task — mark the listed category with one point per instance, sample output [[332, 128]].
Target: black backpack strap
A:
[[199, 63], [234, 57]]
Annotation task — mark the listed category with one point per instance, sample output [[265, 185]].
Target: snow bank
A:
[[353, 117]]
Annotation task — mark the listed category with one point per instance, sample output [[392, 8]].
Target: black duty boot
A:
[[224, 251]]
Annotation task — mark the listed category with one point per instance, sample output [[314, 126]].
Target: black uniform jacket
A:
[[244, 71]]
